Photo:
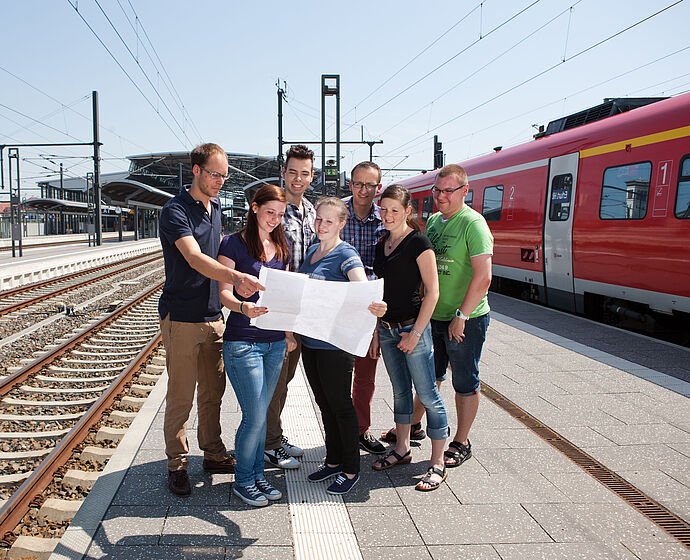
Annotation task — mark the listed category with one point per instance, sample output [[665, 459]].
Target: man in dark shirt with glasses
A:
[[191, 319]]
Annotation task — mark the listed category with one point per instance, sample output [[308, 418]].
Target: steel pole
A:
[[281, 92], [96, 168], [323, 132]]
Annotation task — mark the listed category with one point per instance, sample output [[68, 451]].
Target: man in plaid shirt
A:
[[363, 229], [298, 224]]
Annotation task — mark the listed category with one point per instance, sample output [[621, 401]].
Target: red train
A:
[[591, 216]]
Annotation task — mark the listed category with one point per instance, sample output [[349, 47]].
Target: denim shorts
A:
[[416, 368], [463, 356]]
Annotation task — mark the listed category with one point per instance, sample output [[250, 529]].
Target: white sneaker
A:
[[290, 449], [279, 458]]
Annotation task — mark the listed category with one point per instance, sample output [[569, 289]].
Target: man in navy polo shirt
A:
[[191, 319]]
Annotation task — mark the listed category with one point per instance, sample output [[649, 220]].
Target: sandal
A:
[[383, 463], [426, 479], [416, 433], [457, 454]]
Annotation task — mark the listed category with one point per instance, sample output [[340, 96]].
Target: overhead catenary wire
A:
[[437, 68], [181, 104], [93, 31], [483, 67], [415, 57], [537, 75], [70, 108], [148, 79]]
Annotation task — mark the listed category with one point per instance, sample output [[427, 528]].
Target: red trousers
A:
[[363, 390]]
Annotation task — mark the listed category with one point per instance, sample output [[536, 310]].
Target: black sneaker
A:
[[342, 485], [369, 443], [324, 472], [457, 453], [178, 482]]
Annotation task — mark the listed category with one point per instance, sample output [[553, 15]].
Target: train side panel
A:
[[512, 201], [627, 241]]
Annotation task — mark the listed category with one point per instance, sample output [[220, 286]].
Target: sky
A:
[[173, 74]]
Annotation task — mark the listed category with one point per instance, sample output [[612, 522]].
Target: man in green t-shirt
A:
[[463, 245]]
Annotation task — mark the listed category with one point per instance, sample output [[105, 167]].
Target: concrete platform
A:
[[45, 262], [620, 397]]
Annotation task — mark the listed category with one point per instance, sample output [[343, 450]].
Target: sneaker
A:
[[369, 443], [271, 493], [279, 458], [324, 472], [342, 485], [290, 449], [227, 465], [178, 482], [250, 495]]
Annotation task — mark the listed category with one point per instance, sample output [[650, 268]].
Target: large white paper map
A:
[[335, 312]]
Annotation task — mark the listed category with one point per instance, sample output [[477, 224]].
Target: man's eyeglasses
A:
[[216, 175], [368, 186], [436, 191]]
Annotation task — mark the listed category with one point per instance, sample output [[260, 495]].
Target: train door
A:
[[558, 231]]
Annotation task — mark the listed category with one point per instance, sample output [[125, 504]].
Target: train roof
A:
[[660, 116]]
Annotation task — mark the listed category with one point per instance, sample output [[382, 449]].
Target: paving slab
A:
[[132, 526], [477, 524], [98, 552], [467, 552], [582, 523], [391, 525], [240, 526], [565, 551]]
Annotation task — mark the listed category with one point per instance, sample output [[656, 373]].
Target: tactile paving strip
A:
[[320, 523]]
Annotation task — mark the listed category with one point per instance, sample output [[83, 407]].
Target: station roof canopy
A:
[[53, 205], [79, 183], [168, 171], [126, 192]]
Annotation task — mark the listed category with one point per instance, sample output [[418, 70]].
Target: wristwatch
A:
[[461, 315]]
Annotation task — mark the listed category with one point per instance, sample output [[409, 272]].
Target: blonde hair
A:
[[336, 203]]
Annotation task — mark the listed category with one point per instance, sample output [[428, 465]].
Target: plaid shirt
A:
[[299, 231], [363, 235]]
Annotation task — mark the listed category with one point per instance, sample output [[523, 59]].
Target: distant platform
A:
[[44, 261]]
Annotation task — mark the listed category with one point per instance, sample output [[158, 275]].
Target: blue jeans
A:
[[463, 356], [418, 368], [253, 369]]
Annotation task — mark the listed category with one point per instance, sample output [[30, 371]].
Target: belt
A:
[[399, 325]]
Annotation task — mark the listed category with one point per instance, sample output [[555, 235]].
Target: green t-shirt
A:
[[455, 241]]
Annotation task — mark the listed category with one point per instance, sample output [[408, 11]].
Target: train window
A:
[[469, 198], [492, 203], [683, 193], [415, 207], [625, 192], [561, 188], [427, 207]]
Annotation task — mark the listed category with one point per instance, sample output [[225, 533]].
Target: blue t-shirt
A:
[[334, 267], [238, 327], [189, 296]]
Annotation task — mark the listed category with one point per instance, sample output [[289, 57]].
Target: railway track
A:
[[78, 305], [53, 406], [24, 296]]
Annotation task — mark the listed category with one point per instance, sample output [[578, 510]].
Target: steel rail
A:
[[43, 283], [14, 510], [11, 381], [43, 297], [55, 243]]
